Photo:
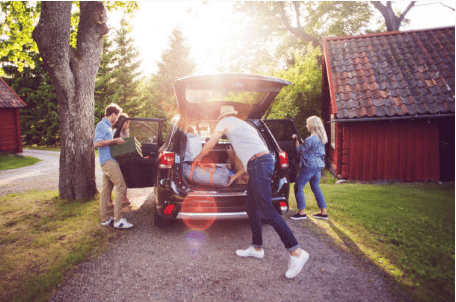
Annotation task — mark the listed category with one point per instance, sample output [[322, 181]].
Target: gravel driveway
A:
[[182, 264]]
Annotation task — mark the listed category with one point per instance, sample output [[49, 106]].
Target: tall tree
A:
[[71, 55], [104, 88], [292, 25], [73, 73], [175, 63], [126, 73], [392, 20]]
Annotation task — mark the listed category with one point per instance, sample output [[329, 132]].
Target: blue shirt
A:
[[312, 153], [103, 131]]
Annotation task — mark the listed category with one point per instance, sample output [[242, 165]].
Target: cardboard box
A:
[[127, 152]]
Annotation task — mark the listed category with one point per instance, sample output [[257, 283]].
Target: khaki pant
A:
[[112, 176]]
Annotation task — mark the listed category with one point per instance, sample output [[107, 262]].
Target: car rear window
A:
[[208, 96]]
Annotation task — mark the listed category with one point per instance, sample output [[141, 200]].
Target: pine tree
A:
[[104, 88], [175, 63], [126, 74]]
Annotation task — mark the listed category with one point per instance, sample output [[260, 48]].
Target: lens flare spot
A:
[[195, 241], [199, 204]]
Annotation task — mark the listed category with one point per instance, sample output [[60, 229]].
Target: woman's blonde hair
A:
[[315, 125]]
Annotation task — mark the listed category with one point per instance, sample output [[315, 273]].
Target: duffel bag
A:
[[207, 174]]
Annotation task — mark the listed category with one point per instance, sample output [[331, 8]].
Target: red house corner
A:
[[388, 100], [10, 128]]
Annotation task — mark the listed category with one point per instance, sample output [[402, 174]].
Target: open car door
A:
[[282, 131], [142, 173]]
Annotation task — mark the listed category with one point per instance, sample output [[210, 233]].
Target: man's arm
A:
[[210, 144], [108, 142]]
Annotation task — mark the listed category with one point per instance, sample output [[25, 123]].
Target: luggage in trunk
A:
[[128, 152], [213, 175]]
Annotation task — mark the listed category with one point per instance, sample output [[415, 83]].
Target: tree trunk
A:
[[73, 73], [393, 22]]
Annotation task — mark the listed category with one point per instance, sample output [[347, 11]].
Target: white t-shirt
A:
[[244, 138], [193, 147]]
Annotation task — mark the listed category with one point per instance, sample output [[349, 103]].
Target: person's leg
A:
[[116, 177], [254, 216], [315, 186], [105, 194], [303, 178], [262, 170]]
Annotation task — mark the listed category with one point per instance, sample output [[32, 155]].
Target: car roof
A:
[[262, 89]]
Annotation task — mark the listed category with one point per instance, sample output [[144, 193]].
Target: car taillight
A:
[[283, 207], [166, 160], [283, 159]]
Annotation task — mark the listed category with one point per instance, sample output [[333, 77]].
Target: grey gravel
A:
[[182, 264]]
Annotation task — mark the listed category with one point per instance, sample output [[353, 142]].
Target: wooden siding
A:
[[10, 133], [406, 150]]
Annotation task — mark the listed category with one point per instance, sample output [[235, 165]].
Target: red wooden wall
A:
[[406, 150], [10, 131]]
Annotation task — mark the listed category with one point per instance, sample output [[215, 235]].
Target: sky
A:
[[205, 27]]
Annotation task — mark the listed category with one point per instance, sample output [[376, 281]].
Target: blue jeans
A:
[[313, 176], [259, 203]]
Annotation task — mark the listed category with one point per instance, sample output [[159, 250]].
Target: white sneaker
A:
[[250, 252], [107, 222], [296, 264], [123, 224]]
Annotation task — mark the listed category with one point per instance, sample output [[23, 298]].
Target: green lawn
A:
[[405, 229], [8, 161]]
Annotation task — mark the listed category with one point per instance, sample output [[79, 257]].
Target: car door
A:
[[283, 129], [142, 173]]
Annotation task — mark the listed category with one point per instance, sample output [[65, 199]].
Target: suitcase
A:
[[212, 175], [128, 152]]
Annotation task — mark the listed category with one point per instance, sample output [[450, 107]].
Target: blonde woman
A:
[[312, 161]]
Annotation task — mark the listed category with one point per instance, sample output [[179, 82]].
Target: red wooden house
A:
[[389, 99], [10, 129]]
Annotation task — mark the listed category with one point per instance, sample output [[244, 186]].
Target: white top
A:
[[193, 147], [244, 138]]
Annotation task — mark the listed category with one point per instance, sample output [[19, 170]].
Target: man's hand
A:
[[119, 141]]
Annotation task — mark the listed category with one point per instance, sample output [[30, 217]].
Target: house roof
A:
[[392, 74], [8, 98]]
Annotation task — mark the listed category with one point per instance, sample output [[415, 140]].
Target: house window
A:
[[333, 132]]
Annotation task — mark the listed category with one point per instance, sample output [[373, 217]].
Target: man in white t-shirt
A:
[[259, 163]]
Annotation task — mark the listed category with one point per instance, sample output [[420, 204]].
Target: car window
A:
[[146, 132], [208, 96]]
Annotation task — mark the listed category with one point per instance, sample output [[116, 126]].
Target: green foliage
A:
[[40, 119], [290, 26], [175, 63], [405, 229], [303, 98], [18, 20]]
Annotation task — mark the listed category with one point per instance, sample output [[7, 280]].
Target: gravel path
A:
[[182, 264]]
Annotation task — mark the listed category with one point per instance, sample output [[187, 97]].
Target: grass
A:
[[41, 238], [9, 161], [407, 230]]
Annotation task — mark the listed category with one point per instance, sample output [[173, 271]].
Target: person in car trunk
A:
[[259, 164], [112, 175]]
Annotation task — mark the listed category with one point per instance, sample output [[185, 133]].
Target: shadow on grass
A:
[[346, 244]]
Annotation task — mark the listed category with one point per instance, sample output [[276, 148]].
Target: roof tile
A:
[[392, 74], [8, 98]]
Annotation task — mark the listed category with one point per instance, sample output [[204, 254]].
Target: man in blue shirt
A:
[[112, 175]]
